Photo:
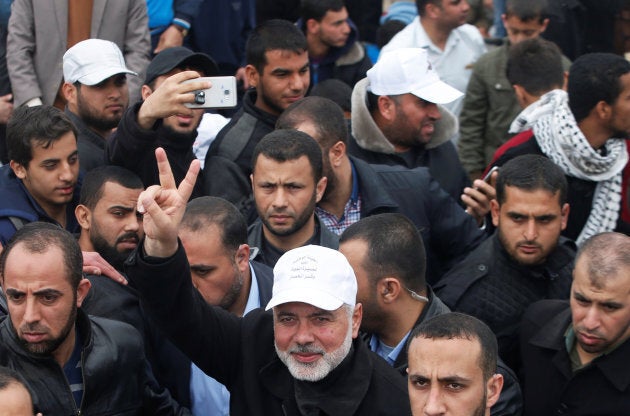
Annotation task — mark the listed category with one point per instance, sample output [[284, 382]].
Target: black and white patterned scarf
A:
[[561, 140]]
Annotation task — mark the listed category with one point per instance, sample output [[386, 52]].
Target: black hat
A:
[[177, 57]]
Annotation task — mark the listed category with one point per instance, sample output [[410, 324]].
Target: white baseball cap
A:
[[408, 71], [316, 275], [92, 61]]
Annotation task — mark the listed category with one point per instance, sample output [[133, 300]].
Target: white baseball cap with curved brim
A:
[[92, 61], [316, 275], [408, 71]]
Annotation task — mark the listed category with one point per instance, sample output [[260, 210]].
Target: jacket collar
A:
[[370, 137], [374, 198], [249, 106], [551, 337], [348, 384]]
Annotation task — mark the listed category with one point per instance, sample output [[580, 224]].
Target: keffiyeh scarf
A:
[[561, 140]]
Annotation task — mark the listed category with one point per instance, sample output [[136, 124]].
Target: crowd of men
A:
[[443, 232]]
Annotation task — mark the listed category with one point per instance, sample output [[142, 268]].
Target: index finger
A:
[[167, 180]]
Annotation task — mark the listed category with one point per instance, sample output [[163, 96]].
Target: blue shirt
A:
[[208, 396], [390, 354], [351, 211]]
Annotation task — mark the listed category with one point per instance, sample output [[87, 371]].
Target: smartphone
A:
[[488, 176], [222, 94]]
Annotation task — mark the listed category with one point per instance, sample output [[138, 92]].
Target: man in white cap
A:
[[95, 87], [304, 358], [397, 118]]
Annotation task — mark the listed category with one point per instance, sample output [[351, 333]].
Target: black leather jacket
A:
[[116, 377]]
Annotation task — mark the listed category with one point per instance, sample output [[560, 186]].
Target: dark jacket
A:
[[236, 141], [439, 155], [449, 234], [16, 202], [491, 286], [240, 353], [91, 145], [110, 299], [134, 148], [255, 240], [580, 192], [116, 377], [510, 401], [550, 387], [348, 63]]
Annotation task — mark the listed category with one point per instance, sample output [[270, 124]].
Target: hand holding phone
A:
[[222, 94]]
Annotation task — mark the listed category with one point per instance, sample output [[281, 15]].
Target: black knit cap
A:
[[180, 57]]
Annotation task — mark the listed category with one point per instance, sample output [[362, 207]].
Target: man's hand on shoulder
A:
[[93, 263]]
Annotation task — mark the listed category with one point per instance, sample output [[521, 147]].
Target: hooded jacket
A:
[[18, 204], [439, 155]]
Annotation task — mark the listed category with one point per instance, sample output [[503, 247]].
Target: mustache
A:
[[306, 349], [34, 327], [129, 236]]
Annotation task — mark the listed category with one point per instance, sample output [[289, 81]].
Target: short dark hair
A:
[[336, 90], [207, 210], [595, 77], [317, 9], [274, 34], [285, 144], [455, 325], [39, 237], [536, 65], [395, 248], [94, 181], [8, 378], [605, 256], [532, 172], [386, 31], [527, 10], [40, 125], [422, 4], [325, 115]]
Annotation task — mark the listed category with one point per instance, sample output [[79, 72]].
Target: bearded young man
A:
[[525, 260]]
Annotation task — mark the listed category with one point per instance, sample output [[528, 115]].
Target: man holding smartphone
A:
[[162, 118]]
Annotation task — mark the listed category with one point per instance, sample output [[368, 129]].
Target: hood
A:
[[370, 137]]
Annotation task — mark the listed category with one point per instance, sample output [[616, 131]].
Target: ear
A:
[[521, 95], [565, 215], [389, 289], [82, 291], [493, 388], [146, 91], [603, 110], [337, 153], [253, 77], [312, 26], [386, 107], [69, 92], [84, 216], [357, 315], [432, 10], [320, 188], [18, 169], [242, 257], [494, 209], [544, 25]]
